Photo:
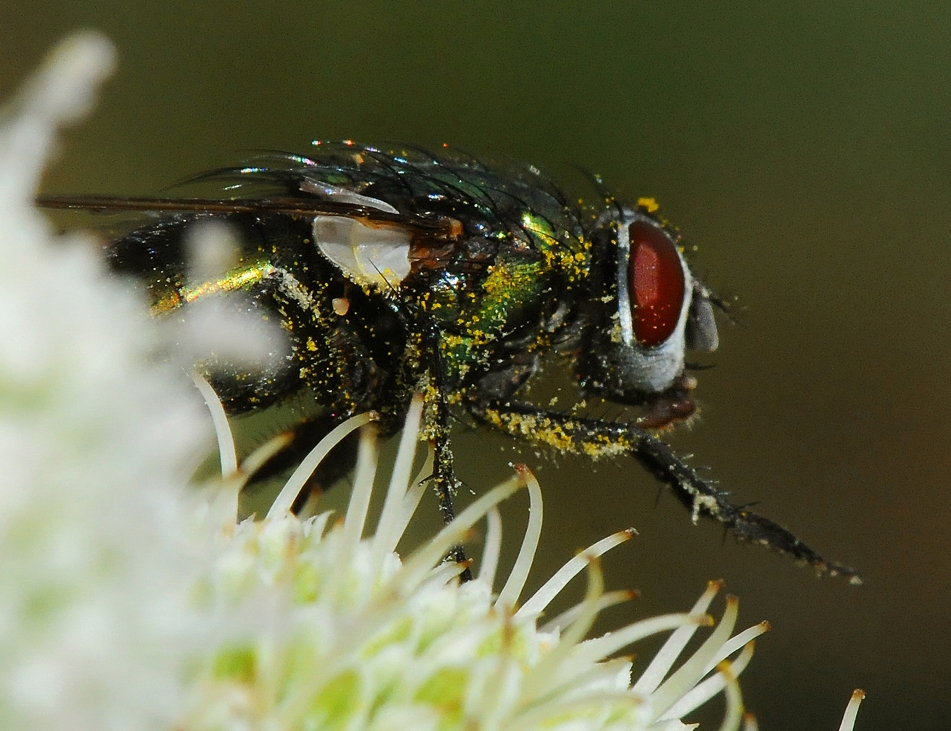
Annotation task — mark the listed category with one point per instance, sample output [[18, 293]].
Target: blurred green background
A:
[[803, 146]]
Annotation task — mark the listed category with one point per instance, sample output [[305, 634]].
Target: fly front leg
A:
[[437, 420], [596, 439], [444, 477]]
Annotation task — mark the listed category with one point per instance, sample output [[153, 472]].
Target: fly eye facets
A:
[[656, 284]]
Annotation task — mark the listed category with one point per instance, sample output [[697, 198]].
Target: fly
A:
[[399, 270]]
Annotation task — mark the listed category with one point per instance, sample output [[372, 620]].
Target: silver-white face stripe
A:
[[623, 288]]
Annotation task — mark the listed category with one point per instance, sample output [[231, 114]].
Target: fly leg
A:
[[444, 476], [596, 439], [438, 422]]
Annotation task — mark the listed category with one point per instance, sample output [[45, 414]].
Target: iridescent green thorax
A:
[[569, 253]]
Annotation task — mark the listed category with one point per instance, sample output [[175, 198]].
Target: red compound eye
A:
[[656, 283]]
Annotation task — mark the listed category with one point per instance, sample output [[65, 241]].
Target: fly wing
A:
[[302, 207], [377, 213]]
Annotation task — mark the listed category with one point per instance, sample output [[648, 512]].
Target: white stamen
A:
[[688, 674], [599, 648], [446, 572], [227, 452], [538, 682], [734, 700], [388, 529], [851, 710], [492, 548], [710, 687], [254, 461], [356, 518], [526, 554], [282, 504], [430, 554], [736, 642], [664, 660], [541, 598], [415, 493], [608, 599], [536, 717], [318, 524]]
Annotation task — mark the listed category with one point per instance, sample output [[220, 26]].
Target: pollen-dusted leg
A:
[[444, 476], [603, 439], [437, 420]]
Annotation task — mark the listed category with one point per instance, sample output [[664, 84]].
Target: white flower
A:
[[127, 604], [325, 628], [96, 445]]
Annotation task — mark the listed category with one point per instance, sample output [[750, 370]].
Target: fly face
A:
[[646, 311], [399, 271]]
